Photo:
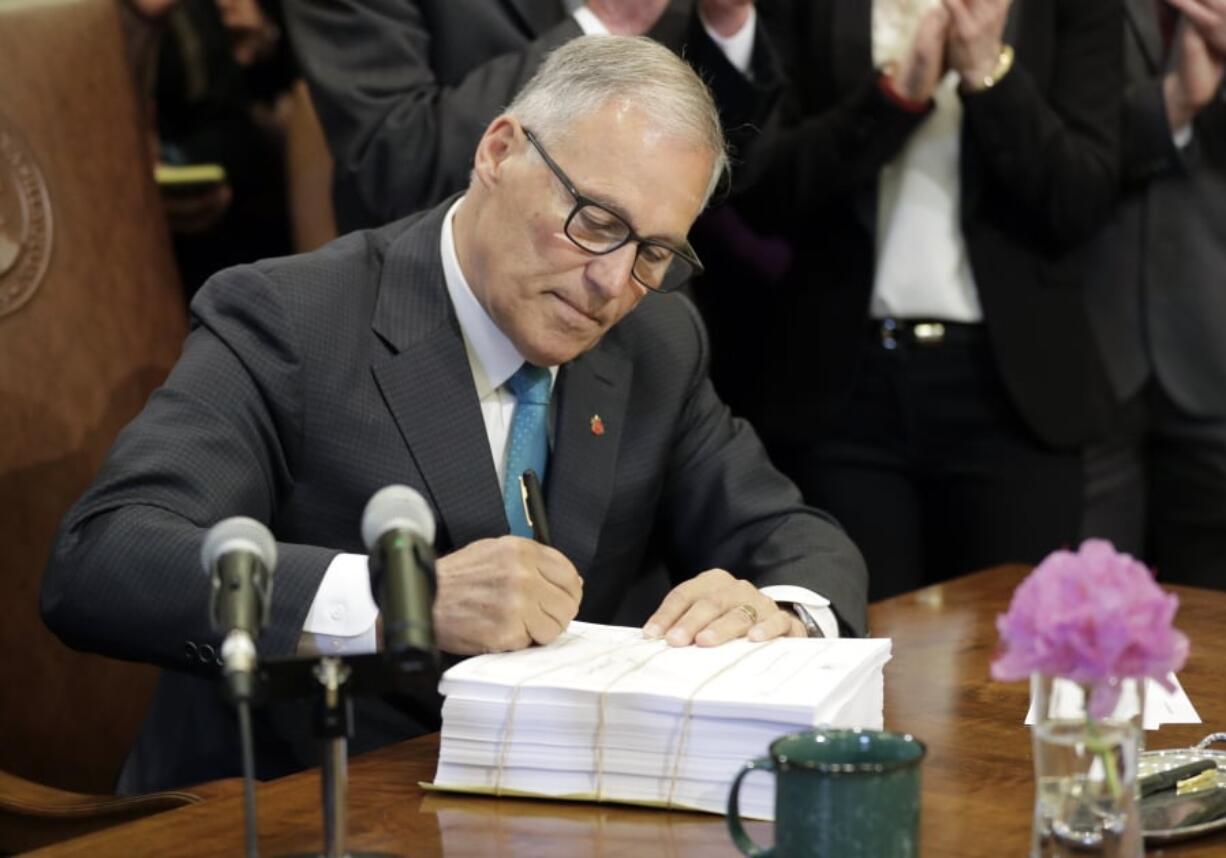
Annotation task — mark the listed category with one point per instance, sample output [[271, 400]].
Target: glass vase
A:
[[1085, 771]]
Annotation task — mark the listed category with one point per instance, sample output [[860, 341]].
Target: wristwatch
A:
[[812, 629], [1004, 62]]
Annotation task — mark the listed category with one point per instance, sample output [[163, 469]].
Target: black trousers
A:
[[1157, 489], [931, 469]]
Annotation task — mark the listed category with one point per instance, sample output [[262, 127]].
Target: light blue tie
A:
[[528, 441]]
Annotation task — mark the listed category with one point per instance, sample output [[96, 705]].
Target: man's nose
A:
[[610, 273]]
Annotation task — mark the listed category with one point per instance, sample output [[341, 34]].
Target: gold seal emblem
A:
[[25, 221]]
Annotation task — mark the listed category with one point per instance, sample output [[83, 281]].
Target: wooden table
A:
[[977, 794]]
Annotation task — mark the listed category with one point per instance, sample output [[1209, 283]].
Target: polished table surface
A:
[[977, 793]]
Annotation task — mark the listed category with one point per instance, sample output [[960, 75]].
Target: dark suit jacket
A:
[[1158, 290], [308, 383], [405, 88], [1039, 175]]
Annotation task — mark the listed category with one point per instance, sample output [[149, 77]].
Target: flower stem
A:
[[1105, 752]]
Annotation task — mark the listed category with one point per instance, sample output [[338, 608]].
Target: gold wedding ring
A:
[[750, 613]]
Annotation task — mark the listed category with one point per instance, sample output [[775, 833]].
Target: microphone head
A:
[[398, 507], [238, 533]]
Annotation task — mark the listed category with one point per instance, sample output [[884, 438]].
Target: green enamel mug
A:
[[838, 794]]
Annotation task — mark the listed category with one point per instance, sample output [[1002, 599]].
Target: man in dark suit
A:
[[1158, 486], [404, 88], [929, 371], [401, 356]]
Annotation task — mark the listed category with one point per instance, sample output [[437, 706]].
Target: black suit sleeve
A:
[[219, 438], [725, 506], [1148, 145], [1057, 155]]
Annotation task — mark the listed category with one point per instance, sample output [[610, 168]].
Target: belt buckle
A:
[[928, 333]]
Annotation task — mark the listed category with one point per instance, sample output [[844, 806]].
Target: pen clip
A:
[[523, 498]]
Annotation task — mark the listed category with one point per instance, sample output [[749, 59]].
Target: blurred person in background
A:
[[925, 368], [405, 88], [1157, 486], [217, 73]]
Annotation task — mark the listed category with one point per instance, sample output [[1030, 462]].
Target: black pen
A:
[[534, 506]]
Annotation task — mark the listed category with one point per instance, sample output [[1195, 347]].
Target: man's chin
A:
[[555, 353]]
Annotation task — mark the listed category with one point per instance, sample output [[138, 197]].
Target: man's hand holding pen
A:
[[497, 595]]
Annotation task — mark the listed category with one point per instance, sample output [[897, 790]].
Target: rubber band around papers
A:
[[601, 706], [600, 720], [504, 748], [689, 710]]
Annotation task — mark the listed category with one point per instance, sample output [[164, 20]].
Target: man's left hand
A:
[[714, 608], [976, 31]]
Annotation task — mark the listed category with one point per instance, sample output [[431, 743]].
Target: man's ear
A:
[[500, 141]]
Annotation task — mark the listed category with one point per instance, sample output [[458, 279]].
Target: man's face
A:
[[551, 298]]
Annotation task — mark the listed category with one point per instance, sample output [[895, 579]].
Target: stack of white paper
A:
[[604, 714]]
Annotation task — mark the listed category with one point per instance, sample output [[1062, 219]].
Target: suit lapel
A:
[[428, 386], [536, 16], [1143, 20], [593, 391]]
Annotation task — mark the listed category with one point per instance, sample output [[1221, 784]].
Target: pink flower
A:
[[1090, 617]]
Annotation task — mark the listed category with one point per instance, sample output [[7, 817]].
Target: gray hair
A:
[[587, 73]]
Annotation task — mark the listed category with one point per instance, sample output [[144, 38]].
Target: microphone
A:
[[239, 555], [398, 529]]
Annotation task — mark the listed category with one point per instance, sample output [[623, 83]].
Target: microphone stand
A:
[[333, 681], [334, 726], [247, 742]]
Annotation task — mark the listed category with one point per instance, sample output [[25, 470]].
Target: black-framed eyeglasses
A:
[[594, 228]]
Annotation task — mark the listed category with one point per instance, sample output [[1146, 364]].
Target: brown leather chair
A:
[[91, 320]]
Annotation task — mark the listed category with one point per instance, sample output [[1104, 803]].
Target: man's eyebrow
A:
[[671, 240]]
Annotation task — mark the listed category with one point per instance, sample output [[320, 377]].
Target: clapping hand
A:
[[1209, 18], [714, 608], [1195, 74], [916, 76], [976, 34]]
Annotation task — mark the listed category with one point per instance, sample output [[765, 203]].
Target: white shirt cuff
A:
[[1182, 136], [589, 23], [343, 605], [738, 47], [818, 606], [359, 644]]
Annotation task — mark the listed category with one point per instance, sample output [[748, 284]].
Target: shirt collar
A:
[[492, 357]]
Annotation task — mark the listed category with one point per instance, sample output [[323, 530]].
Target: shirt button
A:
[[337, 612], [189, 650]]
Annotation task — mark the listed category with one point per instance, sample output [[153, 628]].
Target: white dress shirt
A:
[[923, 271]]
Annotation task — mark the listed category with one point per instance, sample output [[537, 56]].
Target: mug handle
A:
[[739, 837]]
